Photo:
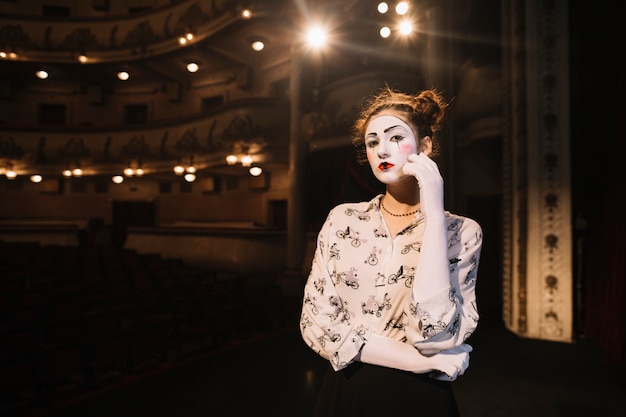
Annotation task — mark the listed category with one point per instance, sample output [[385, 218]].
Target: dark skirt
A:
[[363, 390]]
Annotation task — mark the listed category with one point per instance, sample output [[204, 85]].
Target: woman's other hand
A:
[[451, 363]]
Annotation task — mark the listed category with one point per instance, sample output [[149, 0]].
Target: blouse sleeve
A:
[[325, 321], [447, 319]]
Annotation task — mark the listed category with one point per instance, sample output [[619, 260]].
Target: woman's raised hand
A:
[[430, 181]]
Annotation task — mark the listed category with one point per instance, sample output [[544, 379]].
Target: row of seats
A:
[[75, 320]]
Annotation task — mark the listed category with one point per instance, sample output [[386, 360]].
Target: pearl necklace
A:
[[397, 215]]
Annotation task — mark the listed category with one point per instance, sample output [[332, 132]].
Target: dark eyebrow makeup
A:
[[391, 127], [386, 130]]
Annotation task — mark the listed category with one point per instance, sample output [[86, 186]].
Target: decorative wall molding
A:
[[114, 38]]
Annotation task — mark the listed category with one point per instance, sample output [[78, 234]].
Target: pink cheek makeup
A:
[[407, 148]]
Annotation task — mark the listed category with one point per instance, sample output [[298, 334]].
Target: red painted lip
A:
[[385, 165]]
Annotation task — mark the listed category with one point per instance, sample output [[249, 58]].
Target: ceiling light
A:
[[123, 75], [385, 32], [67, 173], [10, 174], [179, 169], [118, 179], [192, 67], [36, 178], [402, 8], [41, 74], [77, 172], [255, 171], [383, 7], [258, 45], [82, 58], [246, 13], [190, 177]]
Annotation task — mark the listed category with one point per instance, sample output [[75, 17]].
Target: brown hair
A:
[[424, 111]]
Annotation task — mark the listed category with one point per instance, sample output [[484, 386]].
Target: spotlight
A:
[[406, 27], [316, 37]]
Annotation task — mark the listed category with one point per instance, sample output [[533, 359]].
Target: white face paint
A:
[[389, 141]]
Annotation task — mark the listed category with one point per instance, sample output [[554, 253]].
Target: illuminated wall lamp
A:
[[187, 37], [179, 169], [76, 172], [232, 159], [246, 160], [10, 174]]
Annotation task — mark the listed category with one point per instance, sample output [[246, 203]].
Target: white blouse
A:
[[361, 279]]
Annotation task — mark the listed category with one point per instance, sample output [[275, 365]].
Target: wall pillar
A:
[[537, 263]]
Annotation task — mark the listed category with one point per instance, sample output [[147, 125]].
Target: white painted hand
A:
[[451, 363], [430, 181]]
